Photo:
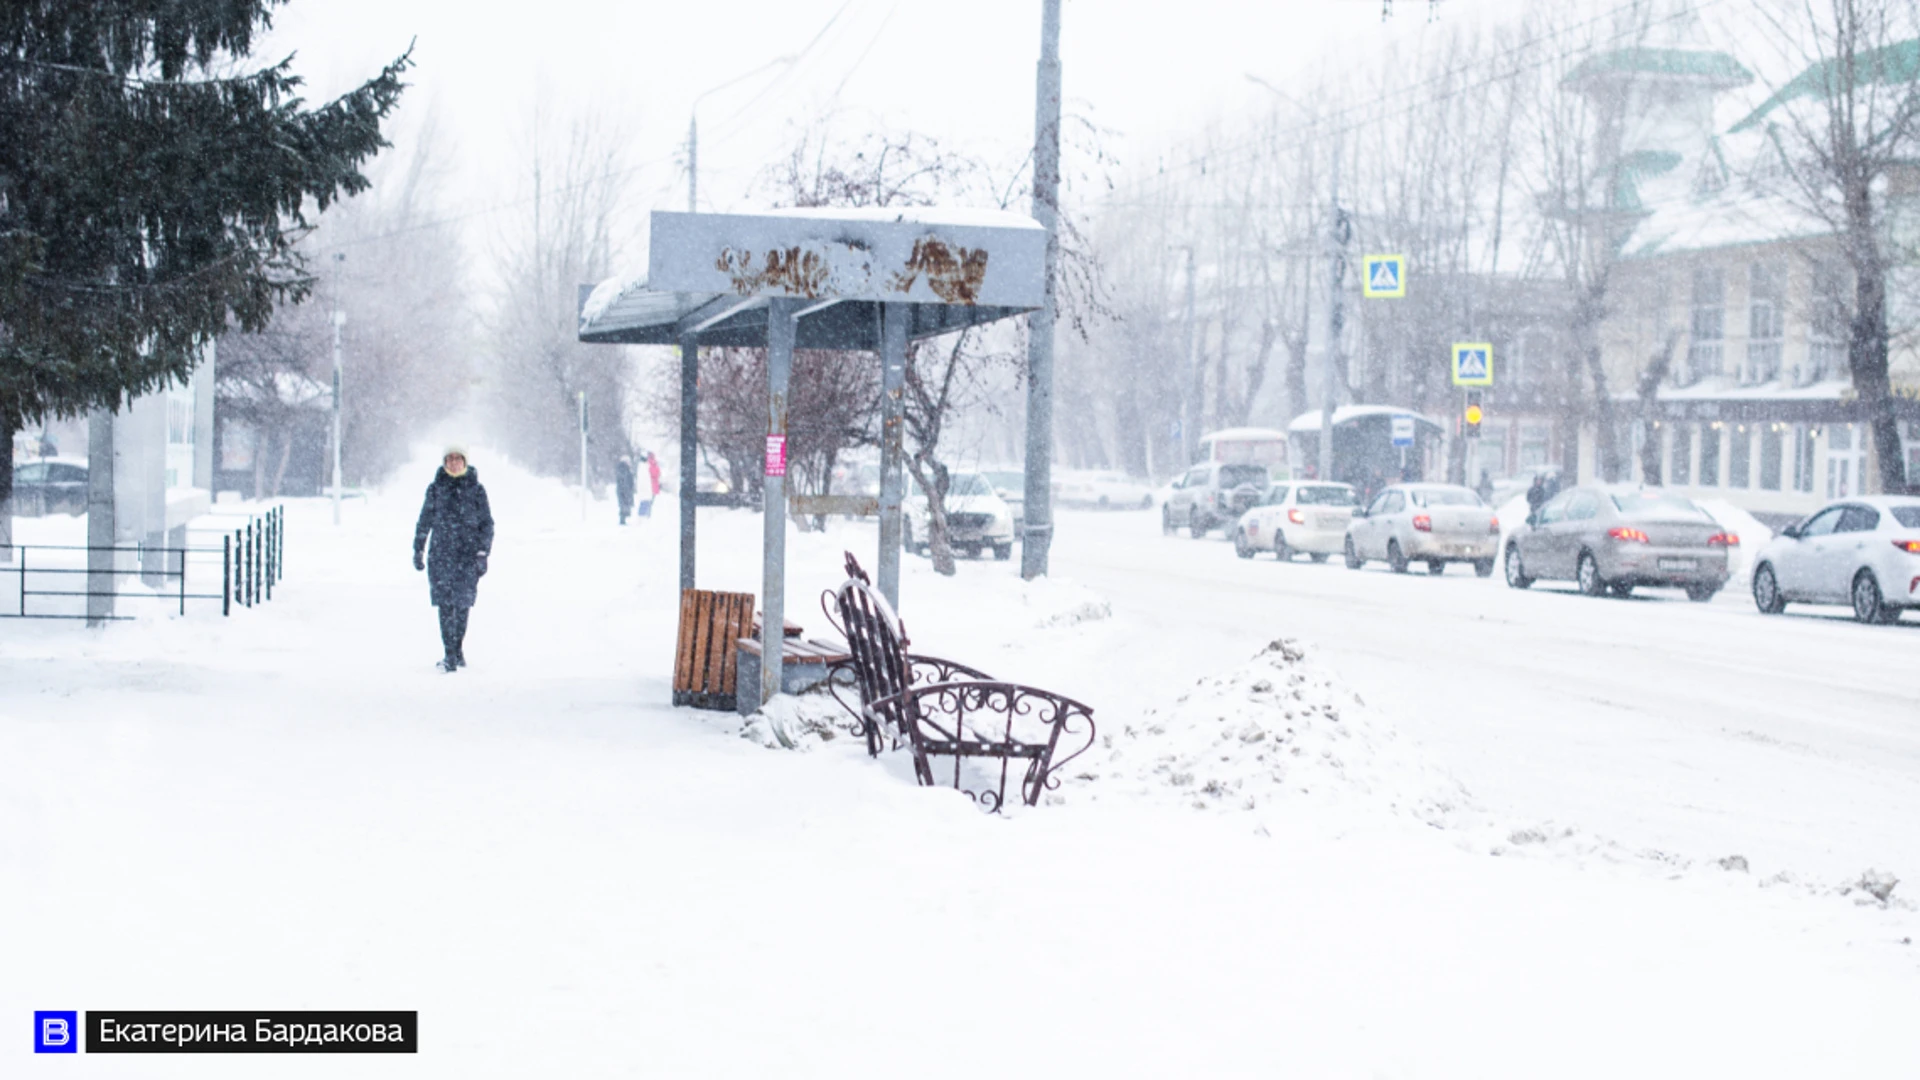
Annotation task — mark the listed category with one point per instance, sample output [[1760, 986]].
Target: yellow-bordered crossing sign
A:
[[1473, 364], [1385, 277]]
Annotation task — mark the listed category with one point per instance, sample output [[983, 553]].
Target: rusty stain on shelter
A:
[[796, 271], [955, 280]]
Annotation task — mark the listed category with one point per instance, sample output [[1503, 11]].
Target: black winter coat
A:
[[460, 522]]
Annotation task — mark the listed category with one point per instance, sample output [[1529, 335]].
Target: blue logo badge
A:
[[56, 1032]]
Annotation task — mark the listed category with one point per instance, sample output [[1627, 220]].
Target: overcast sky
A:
[[961, 72]]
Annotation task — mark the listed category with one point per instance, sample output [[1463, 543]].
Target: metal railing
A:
[[252, 558]]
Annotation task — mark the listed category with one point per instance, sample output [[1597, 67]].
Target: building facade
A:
[[1725, 342]]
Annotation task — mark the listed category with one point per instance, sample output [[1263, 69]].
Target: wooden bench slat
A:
[[717, 652], [796, 651], [683, 644], [741, 614], [702, 634], [722, 628]]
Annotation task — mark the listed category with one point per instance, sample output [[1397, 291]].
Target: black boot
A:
[[451, 627], [460, 637]]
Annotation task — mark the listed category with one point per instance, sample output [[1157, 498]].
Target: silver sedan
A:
[[1431, 523], [1612, 539]]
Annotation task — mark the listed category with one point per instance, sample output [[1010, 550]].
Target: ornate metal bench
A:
[[940, 709]]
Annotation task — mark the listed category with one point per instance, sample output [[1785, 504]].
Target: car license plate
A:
[[1679, 564]]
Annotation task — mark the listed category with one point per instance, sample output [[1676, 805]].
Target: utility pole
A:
[[583, 454], [693, 124], [693, 164], [1196, 378], [1046, 210], [1338, 231], [339, 320]]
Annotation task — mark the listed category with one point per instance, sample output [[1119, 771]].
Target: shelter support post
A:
[[893, 386], [1038, 533], [781, 330], [689, 452]]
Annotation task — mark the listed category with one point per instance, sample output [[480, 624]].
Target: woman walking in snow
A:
[[460, 523]]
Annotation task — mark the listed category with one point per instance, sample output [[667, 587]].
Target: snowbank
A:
[[1053, 602], [800, 722], [1276, 729]]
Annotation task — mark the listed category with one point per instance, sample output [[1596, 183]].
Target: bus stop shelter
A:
[[860, 280]]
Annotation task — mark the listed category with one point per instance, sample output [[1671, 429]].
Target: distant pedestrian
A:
[[1485, 487], [623, 487], [653, 484], [456, 517], [1376, 482], [1536, 494]]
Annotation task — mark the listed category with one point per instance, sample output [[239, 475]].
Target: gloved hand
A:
[[480, 562], [419, 559]]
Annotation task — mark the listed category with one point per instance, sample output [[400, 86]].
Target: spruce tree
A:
[[153, 185]]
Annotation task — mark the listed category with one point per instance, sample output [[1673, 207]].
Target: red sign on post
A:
[[776, 455]]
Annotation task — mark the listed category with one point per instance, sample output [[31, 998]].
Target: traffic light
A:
[[1473, 414]]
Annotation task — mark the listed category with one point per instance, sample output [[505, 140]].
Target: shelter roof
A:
[[714, 276], [1310, 421], [1242, 433]]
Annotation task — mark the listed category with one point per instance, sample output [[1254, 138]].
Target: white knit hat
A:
[[452, 449]]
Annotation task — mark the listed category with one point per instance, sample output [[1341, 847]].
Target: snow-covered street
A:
[[1700, 731], [292, 808]]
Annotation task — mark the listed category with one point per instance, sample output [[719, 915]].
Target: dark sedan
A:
[[49, 486]]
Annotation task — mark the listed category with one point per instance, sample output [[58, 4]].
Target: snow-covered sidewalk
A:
[[292, 809]]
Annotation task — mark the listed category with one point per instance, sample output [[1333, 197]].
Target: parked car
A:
[[1612, 539], [977, 519], [1297, 516], [50, 486], [1011, 486], [1213, 494], [1432, 523], [1864, 551], [1102, 491]]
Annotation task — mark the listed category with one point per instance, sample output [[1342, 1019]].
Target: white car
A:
[[1864, 551], [1102, 491], [1431, 523], [1011, 486], [1297, 516], [977, 519]]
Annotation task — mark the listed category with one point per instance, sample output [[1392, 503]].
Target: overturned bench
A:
[[940, 709]]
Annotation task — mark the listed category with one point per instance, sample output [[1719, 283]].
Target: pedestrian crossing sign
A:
[[1385, 277], [1473, 364]]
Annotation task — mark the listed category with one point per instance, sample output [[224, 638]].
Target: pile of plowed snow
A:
[[1275, 730]]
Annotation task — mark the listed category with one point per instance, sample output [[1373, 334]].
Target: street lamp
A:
[[693, 125]]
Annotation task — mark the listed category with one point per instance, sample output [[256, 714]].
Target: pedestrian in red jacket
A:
[[653, 485]]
